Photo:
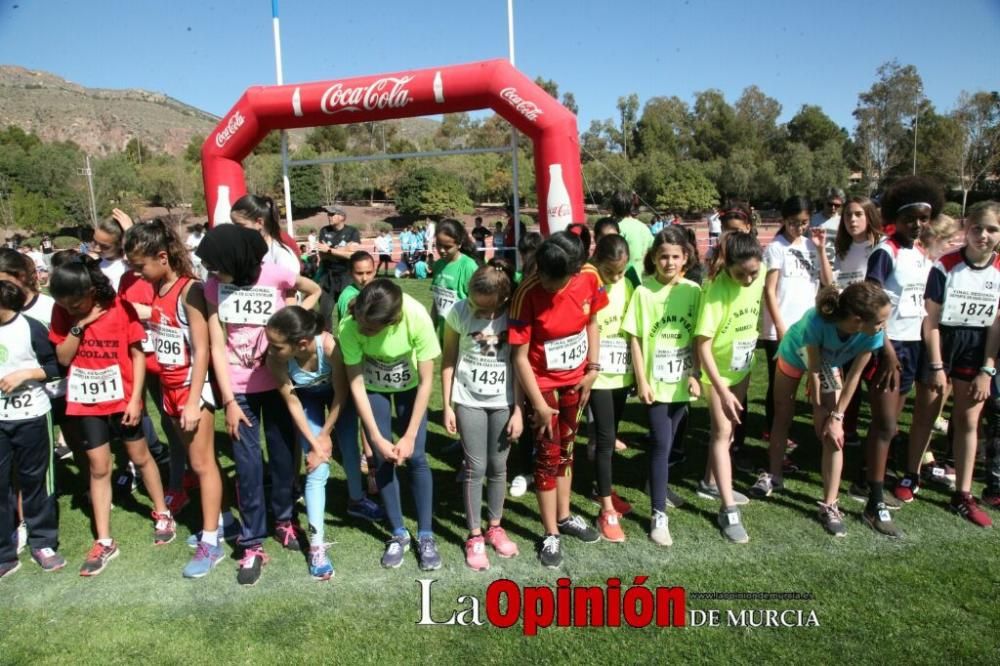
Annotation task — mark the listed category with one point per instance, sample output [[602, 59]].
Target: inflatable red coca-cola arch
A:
[[491, 84]]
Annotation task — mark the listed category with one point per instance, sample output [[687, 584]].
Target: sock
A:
[[421, 534], [211, 538], [875, 490], [106, 542], [401, 532]]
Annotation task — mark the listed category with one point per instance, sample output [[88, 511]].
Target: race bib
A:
[[567, 353], [246, 305], [27, 404], [92, 387], [829, 379], [147, 340], [168, 342], [847, 278], [616, 357], [911, 302], [742, 355], [672, 365], [396, 375], [444, 300], [969, 308], [482, 376]]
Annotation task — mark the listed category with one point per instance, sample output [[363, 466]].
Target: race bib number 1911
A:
[[91, 387]]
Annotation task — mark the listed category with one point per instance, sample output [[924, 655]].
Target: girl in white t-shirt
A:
[[477, 378], [859, 231], [261, 214], [796, 266]]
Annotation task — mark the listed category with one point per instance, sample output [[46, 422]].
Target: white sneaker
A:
[[518, 486], [659, 530]]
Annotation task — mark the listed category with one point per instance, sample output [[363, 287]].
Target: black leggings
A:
[[770, 348], [608, 406], [667, 420]]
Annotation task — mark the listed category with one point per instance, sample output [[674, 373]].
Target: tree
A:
[[713, 125], [305, 181], [271, 145], [939, 147], [453, 131], [664, 127], [328, 138], [427, 191], [569, 101], [192, 153], [116, 183], [756, 117], [628, 107], [812, 127], [882, 113], [978, 118], [689, 190]]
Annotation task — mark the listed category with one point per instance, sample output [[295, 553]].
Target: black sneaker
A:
[[880, 520], [62, 452], [576, 527], [254, 559], [549, 553]]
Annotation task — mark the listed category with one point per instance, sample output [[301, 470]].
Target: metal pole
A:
[[90, 183], [916, 123], [285, 183], [513, 147]]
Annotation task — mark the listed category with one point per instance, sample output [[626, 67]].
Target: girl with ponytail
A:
[[261, 214], [844, 329]]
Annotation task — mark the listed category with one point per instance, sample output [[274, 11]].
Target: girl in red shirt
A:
[[178, 330], [98, 337], [556, 344]]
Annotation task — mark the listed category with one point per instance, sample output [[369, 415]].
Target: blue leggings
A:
[[350, 449], [665, 419], [420, 471], [314, 403]]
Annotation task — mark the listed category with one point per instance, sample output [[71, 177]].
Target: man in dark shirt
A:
[[480, 234], [335, 244]]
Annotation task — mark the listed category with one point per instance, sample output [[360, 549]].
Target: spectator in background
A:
[[479, 234], [635, 233], [417, 242], [337, 242], [405, 243], [47, 246], [829, 218], [383, 247], [420, 268], [498, 240], [657, 225], [429, 230], [403, 269], [195, 234], [714, 227], [510, 240]]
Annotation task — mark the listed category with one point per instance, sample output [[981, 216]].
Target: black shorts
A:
[[962, 351], [384, 259], [909, 353], [100, 430]]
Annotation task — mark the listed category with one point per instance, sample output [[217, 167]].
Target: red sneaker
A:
[[609, 527], [620, 505], [906, 489], [964, 504]]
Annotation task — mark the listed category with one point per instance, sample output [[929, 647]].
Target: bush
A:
[[384, 225], [431, 192], [66, 243], [952, 209], [32, 242]]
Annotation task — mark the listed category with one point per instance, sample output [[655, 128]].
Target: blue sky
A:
[[206, 53]]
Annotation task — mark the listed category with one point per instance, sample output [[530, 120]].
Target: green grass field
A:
[[929, 598]]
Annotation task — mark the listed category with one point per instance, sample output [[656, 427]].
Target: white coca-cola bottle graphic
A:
[[560, 212], [222, 207]]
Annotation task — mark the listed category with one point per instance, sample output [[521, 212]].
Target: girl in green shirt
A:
[[660, 320], [726, 337], [453, 271], [389, 347]]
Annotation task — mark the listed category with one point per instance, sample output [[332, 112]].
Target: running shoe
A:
[[711, 492], [320, 567], [164, 528], [98, 558], [7, 568], [475, 554], [395, 548], [674, 501], [205, 558], [550, 554], [619, 505], [176, 500], [880, 520], [609, 527], [48, 559], [427, 554], [765, 485], [788, 466], [366, 509], [576, 527], [965, 505], [250, 565], [228, 533], [859, 491], [288, 534], [832, 519], [731, 524], [941, 425], [504, 547], [659, 529], [940, 474], [518, 486], [907, 487], [62, 452], [677, 457]]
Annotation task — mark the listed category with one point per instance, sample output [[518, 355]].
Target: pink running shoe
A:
[[497, 537], [475, 554]]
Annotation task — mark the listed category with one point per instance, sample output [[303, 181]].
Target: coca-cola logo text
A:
[[562, 210], [387, 93], [526, 108], [234, 124]]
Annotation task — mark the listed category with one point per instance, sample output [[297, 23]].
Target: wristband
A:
[[593, 366], [837, 416], [936, 366], [992, 372]]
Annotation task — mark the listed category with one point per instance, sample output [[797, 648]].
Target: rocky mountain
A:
[[103, 121]]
